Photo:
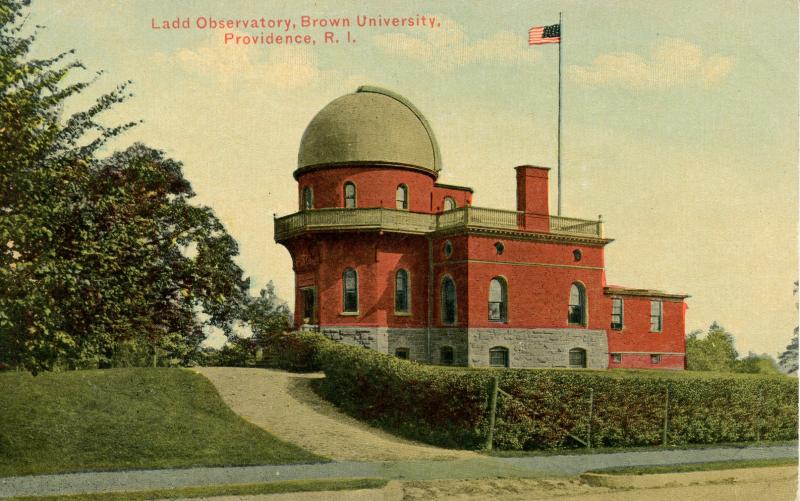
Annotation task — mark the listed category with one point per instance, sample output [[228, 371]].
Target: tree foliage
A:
[[788, 359], [102, 261], [713, 352]]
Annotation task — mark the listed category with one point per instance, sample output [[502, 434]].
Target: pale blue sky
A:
[[680, 123]]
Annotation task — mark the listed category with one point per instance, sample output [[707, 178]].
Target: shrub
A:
[[294, 351], [544, 408]]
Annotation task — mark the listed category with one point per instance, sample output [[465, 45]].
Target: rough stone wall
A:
[[539, 347], [527, 347], [366, 337], [413, 339], [456, 339]]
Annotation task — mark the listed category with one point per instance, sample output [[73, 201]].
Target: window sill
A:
[[403, 314], [349, 314]]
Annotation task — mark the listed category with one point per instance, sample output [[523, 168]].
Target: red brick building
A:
[[387, 258]]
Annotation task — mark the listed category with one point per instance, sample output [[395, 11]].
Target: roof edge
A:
[[628, 291]]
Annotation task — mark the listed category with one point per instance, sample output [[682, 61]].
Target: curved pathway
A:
[[284, 404]]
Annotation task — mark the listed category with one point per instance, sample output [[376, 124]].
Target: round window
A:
[[577, 254], [500, 248], [448, 249]]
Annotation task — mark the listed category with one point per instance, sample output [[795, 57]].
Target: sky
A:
[[680, 123]]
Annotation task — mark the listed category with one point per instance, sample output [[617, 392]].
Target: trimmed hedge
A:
[[549, 408]]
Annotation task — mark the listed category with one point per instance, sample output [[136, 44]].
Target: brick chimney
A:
[[532, 197]]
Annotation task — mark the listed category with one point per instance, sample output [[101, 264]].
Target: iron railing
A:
[[420, 223]]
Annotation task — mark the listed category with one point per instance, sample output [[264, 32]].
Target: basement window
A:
[[655, 359], [616, 358], [498, 357], [577, 358], [401, 353], [446, 355]]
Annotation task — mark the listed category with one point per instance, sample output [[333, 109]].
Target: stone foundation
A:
[[533, 348], [527, 348]]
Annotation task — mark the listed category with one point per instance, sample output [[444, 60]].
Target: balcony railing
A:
[[420, 223]]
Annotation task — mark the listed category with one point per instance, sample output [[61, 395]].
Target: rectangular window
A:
[[616, 358], [656, 316], [655, 359], [350, 291], [495, 311], [577, 358], [616, 313]]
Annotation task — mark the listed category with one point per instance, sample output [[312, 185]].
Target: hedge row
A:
[[542, 409]]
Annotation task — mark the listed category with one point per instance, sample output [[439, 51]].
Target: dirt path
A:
[[284, 404]]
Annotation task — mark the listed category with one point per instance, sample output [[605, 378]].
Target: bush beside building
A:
[[547, 409]]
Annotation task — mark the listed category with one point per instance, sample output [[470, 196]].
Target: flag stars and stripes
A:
[[539, 35]]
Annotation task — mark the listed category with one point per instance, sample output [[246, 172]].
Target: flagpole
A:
[[560, 43]]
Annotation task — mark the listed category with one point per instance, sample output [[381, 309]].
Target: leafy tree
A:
[[267, 314], [713, 352], [756, 364], [102, 262], [788, 359]]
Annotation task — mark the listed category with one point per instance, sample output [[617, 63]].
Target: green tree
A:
[[102, 262], [788, 359], [756, 364], [713, 352], [267, 314]]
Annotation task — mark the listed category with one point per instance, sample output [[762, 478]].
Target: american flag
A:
[[539, 35]]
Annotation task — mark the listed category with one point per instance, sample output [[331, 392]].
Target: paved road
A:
[[481, 467]]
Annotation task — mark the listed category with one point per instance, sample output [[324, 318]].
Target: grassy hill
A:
[[125, 419]]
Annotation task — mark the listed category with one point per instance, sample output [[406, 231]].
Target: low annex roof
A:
[[618, 290]]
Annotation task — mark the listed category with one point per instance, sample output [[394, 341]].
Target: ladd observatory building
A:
[[387, 258]]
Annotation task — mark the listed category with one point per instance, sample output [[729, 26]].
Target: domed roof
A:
[[371, 126]]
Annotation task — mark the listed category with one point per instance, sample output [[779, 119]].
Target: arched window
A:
[[349, 195], [401, 197], [577, 304], [401, 292], [448, 301], [449, 204], [308, 198], [401, 353], [446, 355], [498, 357], [350, 290], [577, 358], [498, 300]]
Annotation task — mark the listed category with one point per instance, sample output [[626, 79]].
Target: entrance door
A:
[[309, 305]]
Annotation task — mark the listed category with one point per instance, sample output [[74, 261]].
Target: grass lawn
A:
[[126, 419], [689, 467], [221, 490]]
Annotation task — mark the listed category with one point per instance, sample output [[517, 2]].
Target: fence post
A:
[[758, 414], [591, 412], [666, 420], [492, 410]]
